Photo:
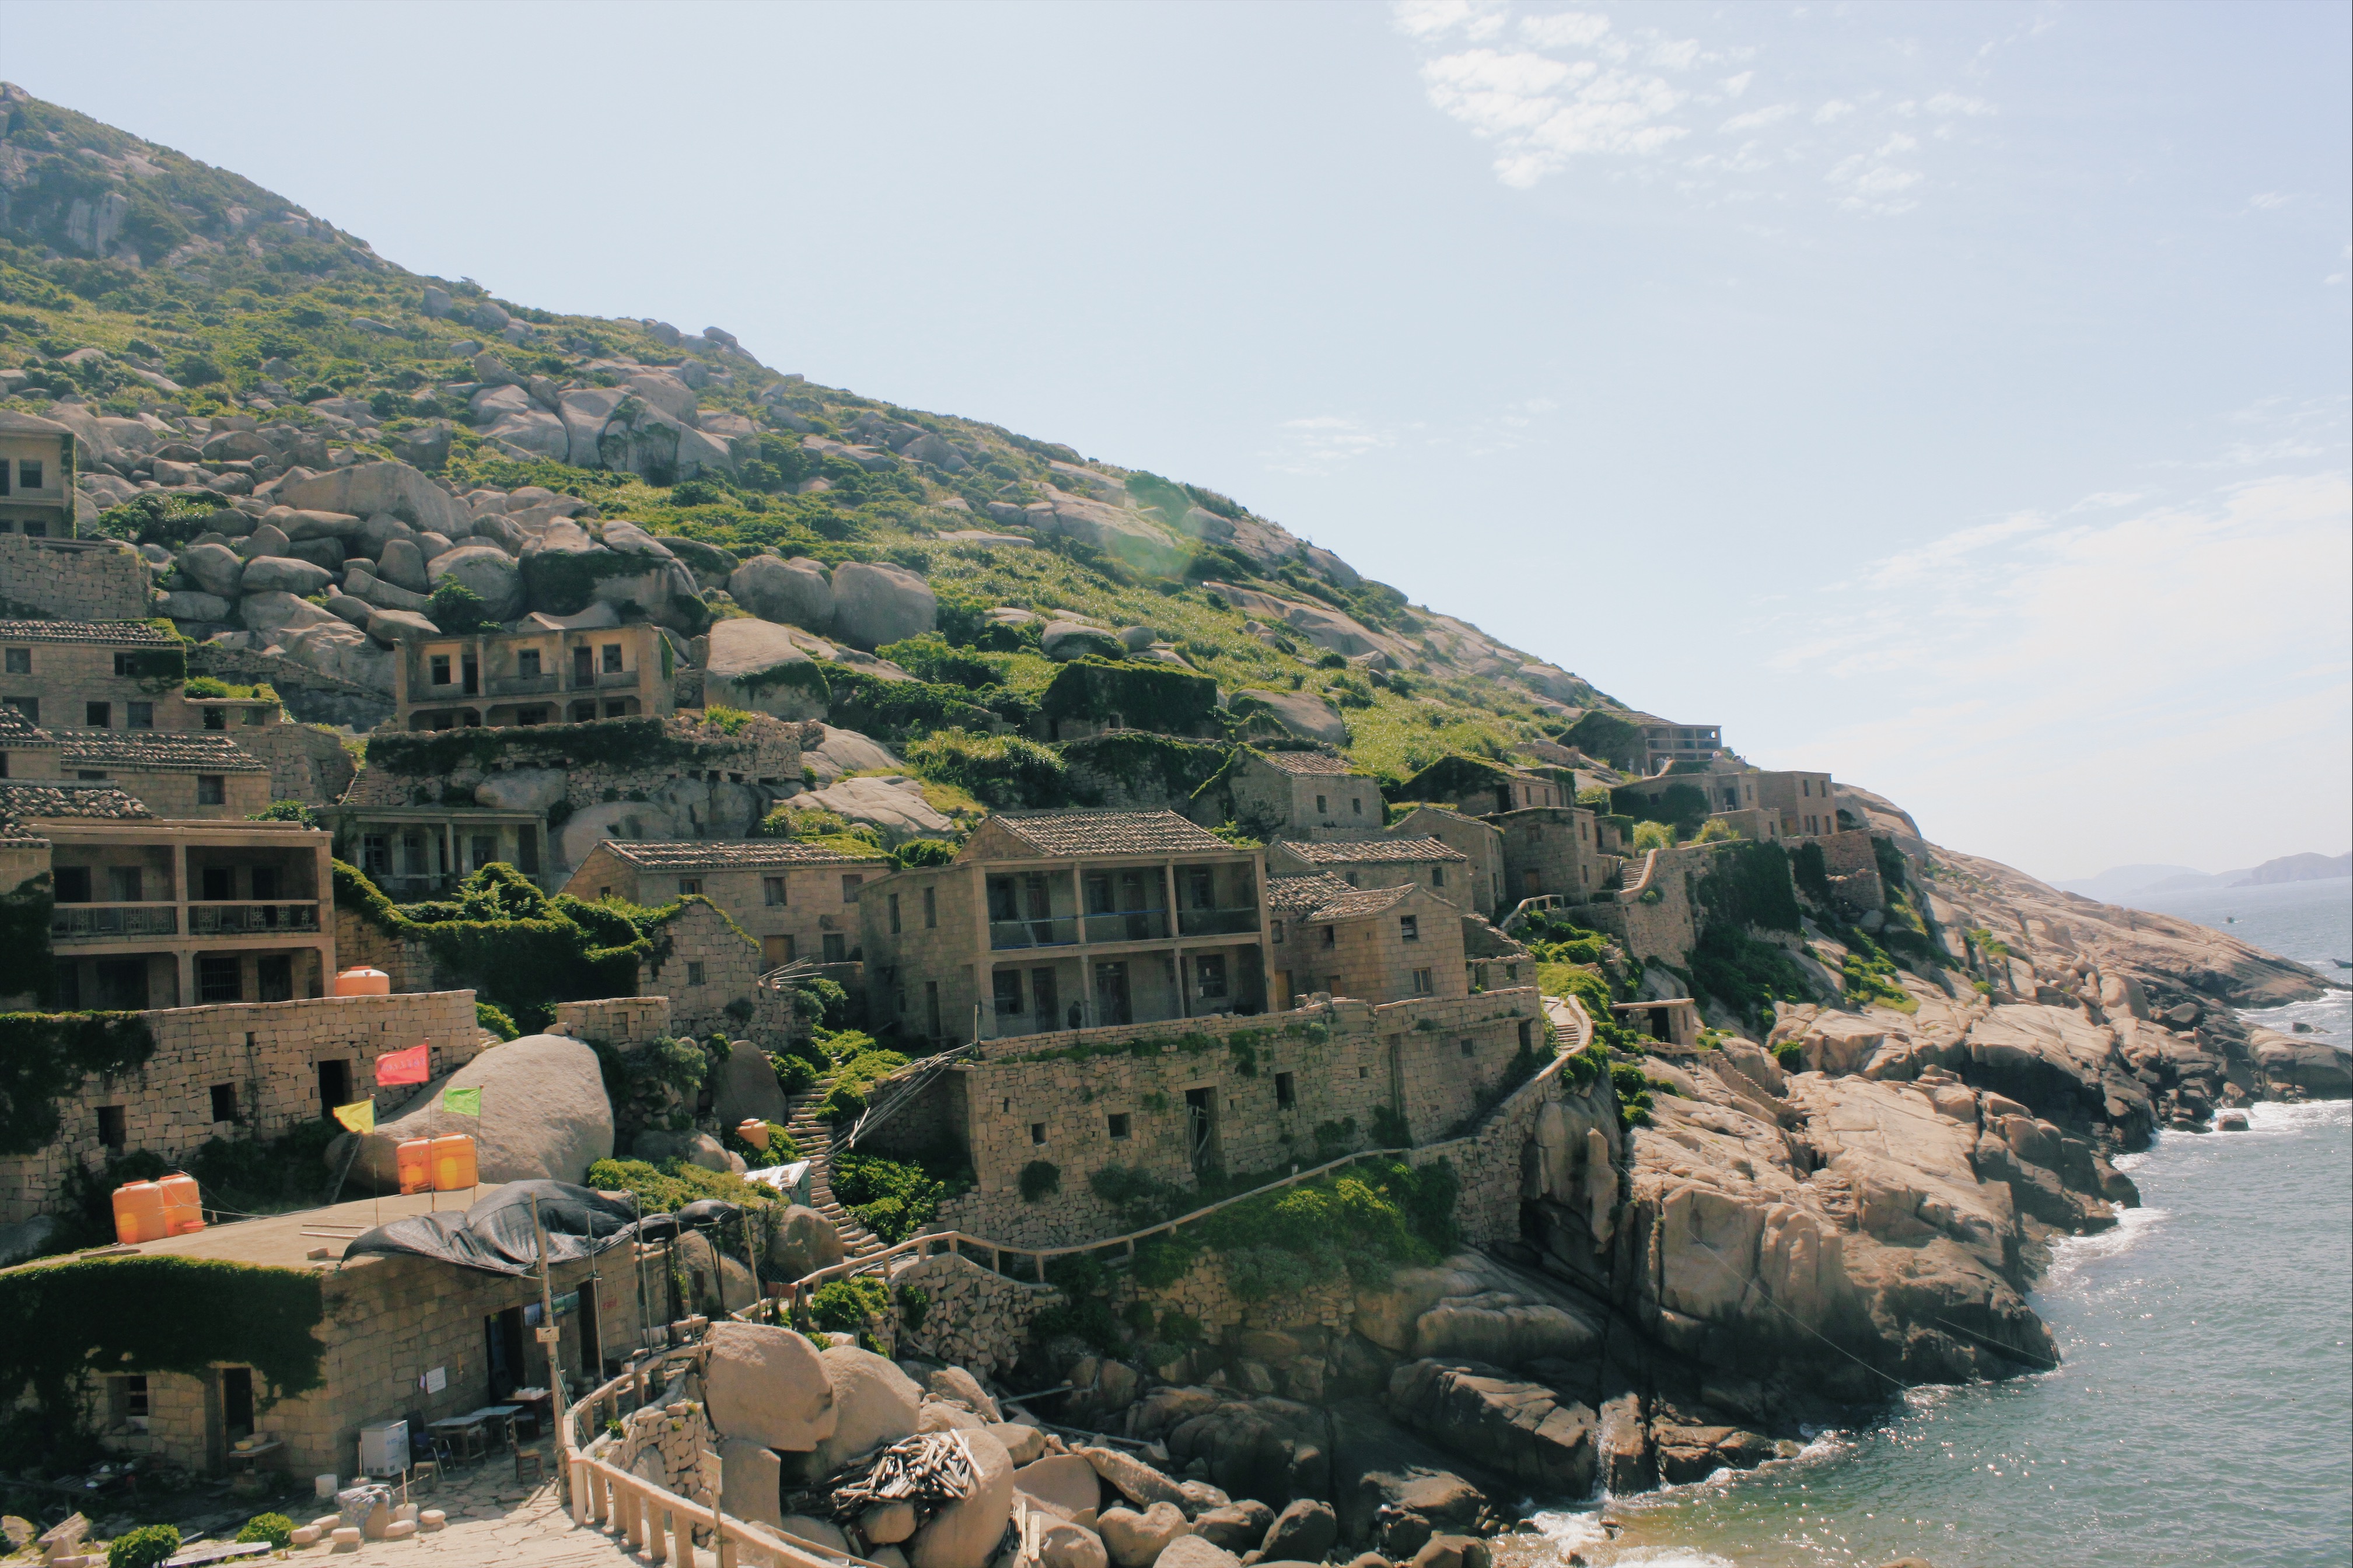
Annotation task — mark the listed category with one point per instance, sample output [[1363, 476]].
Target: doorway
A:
[[1045, 1001], [1111, 995], [1201, 1128], [591, 1364], [502, 1344], [334, 1086], [236, 1402]]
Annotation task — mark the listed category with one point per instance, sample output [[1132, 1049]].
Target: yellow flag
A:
[[360, 1116]]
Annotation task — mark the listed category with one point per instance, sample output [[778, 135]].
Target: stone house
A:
[[1556, 851], [1268, 791], [71, 579], [37, 477], [1175, 1101], [796, 900], [248, 1071], [95, 675], [1376, 944], [537, 675], [1476, 787], [1478, 842], [151, 912], [176, 774], [1801, 800], [709, 968], [1665, 741], [424, 851], [1067, 920], [399, 1336], [1378, 860]]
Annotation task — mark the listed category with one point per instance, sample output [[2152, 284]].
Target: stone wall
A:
[[267, 1052], [1267, 1086], [1370, 956], [704, 963], [978, 1320], [71, 580], [664, 1443], [627, 1021], [1853, 866], [171, 792], [306, 762], [1550, 849], [310, 695]]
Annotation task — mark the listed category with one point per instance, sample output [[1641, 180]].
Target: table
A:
[[539, 1403], [254, 1455], [467, 1431]]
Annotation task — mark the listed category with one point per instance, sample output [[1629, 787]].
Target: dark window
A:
[[265, 883], [1321, 809], [220, 884], [219, 980], [1356, 804], [1286, 1092], [584, 666], [98, 715], [931, 1005], [126, 885], [20, 661], [1466, 1047], [1409, 928], [72, 884], [849, 886], [223, 1102], [931, 909], [1330, 937], [772, 890], [126, 665], [111, 1129], [28, 474], [486, 849], [216, 718], [694, 972], [837, 947], [89, 775], [212, 789], [1037, 1133], [1209, 976], [1120, 1125], [527, 850], [1528, 1030], [612, 651], [1438, 876], [688, 885], [527, 663], [439, 664], [375, 854], [891, 904], [1421, 986], [30, 706], [273, 973], [254, 717], [1008, 991], [141, 716], [334, 1086]]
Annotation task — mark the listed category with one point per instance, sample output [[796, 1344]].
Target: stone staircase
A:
[[813, 1137]]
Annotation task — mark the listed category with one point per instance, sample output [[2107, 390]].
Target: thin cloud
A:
[[1757, 118]]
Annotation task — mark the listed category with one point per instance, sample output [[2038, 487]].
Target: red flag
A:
[[404, 1067]]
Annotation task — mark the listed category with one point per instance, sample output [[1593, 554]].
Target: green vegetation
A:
[[46, 1056], [1680, 806], [26, 966], [274, 1528], [1649, 836], [1155, 697], [1810, 870], [458, 608], [1009, 772], [655, 1085], [1359, 1223], [496, 1021], [896, 1197], [674, 1183], [1634, 1087], [1040, 1179], [149, 1546], [914, 1307], [848, 1306]]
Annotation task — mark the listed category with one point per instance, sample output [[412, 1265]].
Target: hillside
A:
[[152, 302]]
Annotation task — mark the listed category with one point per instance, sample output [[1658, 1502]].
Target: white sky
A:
[[1952, 397]]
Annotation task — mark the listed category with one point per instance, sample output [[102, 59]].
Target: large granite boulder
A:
[[544, 1115], [1237, 1527], [893, 804], [965, 1533], [190, 605], [586, 411], [767, 1384], [1519, 1429], [798, 592], [840, 751], [1304, 714], [335, 648], [748, 1088], [878, 603], [755, 663], [491, 573], [278, 611], [875, 1405], [1304, 1530], [805, 1241], [214, 568], [1136, 1539], [365, 489], [1064, 1484], [283, 575], [750, 1482]]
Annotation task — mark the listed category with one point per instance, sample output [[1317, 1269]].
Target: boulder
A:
[[1519, 1429], [877, 604], [392, 627], [365, 489], [491, 573], [1305, 1530], [380, 531], [893, 804], [276, 613], [1192, 1552], [1452, 1551], [796, 592], [1136, 1539], [888, 1523], [1027, 1444], [523, 789], [362, 584], [1070, 1546], [310, 522], [427, 445], [754, 665], [841, 752], [747, 1086], [333, 646], [544, 1114], [712, 565], [875, 1405], [767, 1384], [717, 1282], [283, 575], [267, 539], [214, 568], [658, 1146], [1132, 1477], [1237, 1527], [805, 1241], [965, 1533], [1067, 640], [1064, 1484], [188, 605], [401, 562], [939, 1415], [956, 1382], [1500, 1328], [1303, 713]]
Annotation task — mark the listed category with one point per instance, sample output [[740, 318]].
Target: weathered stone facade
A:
[[1552, 850], [976, 1319], [272, 1058], [72, 579], [710, 970], [615, 1020], [1480, 844], [796, 900]]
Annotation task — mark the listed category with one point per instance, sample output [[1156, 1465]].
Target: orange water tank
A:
[[139, 1213], [362, 981], [453, 1163], [184, 1204], [754, 1131], [415, 1159]]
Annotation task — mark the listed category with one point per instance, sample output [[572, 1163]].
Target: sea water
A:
[[2203, 1410]]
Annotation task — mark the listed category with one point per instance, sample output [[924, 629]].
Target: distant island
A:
[[2124, 881]]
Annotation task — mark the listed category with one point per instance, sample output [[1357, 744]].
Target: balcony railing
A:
[[106, 922], [1216, 922], [519, 685], [1128, 925], [241, 919], [1060, 931], [615, 680]]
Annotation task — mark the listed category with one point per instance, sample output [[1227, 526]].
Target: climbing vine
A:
[[46, 1056]]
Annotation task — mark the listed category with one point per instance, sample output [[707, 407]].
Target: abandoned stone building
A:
[[1067, 920], [1378, 860], [1377, 944], [1801, 800], [37, 477], [1480, 845], [1664, 741], [1478, 787], [1272, 791], [96, 675], [539, 675], [154, 913], [175, 774], [799, 901], [424, 851], [1556, 850]]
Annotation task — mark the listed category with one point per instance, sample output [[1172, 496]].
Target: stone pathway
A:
[[493, 1521]]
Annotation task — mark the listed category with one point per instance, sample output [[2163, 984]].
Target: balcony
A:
[[615, 680], [113, 922], [1216, 922], [252, 920], [1129, 925], [519, 685], [1060, 931]]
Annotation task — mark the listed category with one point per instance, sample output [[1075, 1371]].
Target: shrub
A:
[[1714, 830], [285, 811], [1002, 771], [1812, 873], [928, 657], [275, 1528], [848, 1306], [488, 1017], [149, 1545], [1791, 1056], [895, 1198], [918, 853], [1654, 836], [1040, 1179], [1683, 806]]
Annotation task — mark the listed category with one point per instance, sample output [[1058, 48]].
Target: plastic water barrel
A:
[[362, 981], [453, 1163], [415, 1160], [139, 1213], [184, 1204], [755, 1131]]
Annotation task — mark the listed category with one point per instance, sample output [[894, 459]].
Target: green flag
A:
[[463, 1101]]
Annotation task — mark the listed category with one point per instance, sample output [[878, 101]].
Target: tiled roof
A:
[[721, 855], [16, 729], [1111, 833], [1302, 896], [171, 751], [1303, 764], [39, 800], [85, 631], [1350, 903], [1365, 851]]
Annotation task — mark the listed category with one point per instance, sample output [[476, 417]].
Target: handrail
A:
[[766, 1309], [1529, 906], [1635, 890], [924, 1069]]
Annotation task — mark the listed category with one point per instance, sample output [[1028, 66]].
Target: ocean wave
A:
[[2071, 1254], [1564, 1533]]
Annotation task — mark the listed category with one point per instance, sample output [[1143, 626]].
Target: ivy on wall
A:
[[1157, 697], [25, 968], [46, 1056]]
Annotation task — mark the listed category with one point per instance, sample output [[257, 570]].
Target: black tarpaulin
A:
[[495, 1235]]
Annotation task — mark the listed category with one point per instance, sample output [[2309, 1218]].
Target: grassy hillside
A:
[[209, 296]]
